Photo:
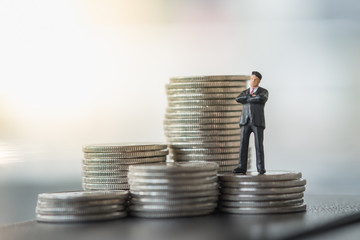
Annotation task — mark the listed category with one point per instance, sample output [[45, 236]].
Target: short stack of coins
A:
[[81, 206], [105, 166], [269, 193], [173, 189], [202, 119]]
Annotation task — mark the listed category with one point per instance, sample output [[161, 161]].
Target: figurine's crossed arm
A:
[[246, 98]]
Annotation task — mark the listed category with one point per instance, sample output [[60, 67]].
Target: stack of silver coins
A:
[[81, 206], [202, 119], [270, 193], [105, 166], [173, 189]]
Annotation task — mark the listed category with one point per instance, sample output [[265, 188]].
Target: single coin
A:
[[190, 213], [202, 96], [204, 139], [254, 197], [102, 186], [265, 184], [208, 102], [175, 188], [187, 114], [144, 154], [105, 168], [259, 191], [83, 195], [202, 120], [205, 150], [204, 108], [91, 174], [210, 78], [170, 201], [223, 163], [268, 210], [79, 211], [79, 218], [201, 133], [101, 180], [213, 84], [171, 175], [123, 147], [181, 145], [123, 161], [226, 90], [205, 157], [168, 194], [72, 204], [172, 181], [183, 167], [259, 204], [171, 208], [255, 176]]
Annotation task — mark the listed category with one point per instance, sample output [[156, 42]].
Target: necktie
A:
[[252, 91]]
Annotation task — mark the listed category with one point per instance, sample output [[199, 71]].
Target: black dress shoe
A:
[[262, 171], [239, 170]]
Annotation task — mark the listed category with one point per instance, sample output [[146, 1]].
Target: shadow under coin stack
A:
[[173, 189], [270, 193], [81, 206], [105, 166], [202, 119]]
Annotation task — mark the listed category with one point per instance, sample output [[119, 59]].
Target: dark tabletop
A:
[[322, 211]]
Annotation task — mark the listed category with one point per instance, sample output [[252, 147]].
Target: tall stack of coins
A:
[[272, 192], [173, 189], [81, 206], [202, 119], [105, 166]]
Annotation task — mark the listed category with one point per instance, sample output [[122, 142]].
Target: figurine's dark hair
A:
[[257, 74]]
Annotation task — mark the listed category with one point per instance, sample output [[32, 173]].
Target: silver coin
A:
[[202, 120], [123, 147], [259, 204], [170, 175], [175, 188], [79, 218], [268, 210], [201, 108], [204, 139], [201, 133], [205, 157], [229, 167], [123, 161], [72, 204], [172, 214], [267, 184], [260, 191], [237, 90], [103, 167], [210, 78], [126, 154], [208, 102], [101, 180], [222, 164], [91, 174], [103, 186], [185, 167], [83, 195], [205, 150], [255, 176], [79, 211], [213, 84], [253, 197], [186, 127], [171, 208], [169, 201], [168, 194], [202, 96], [181, 145], [187, 114], [172, 181]]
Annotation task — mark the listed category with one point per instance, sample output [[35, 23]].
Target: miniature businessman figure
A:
[[252, 120]]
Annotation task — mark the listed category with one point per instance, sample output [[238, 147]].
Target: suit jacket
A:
[[253, 107]]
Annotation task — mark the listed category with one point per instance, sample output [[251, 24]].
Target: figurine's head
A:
[[255, 79]]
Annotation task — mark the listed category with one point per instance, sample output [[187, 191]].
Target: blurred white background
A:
[[94, 71]]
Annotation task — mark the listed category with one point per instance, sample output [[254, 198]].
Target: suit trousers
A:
[[246, 130]]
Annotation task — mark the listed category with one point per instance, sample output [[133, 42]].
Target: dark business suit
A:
[[252, 120]]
